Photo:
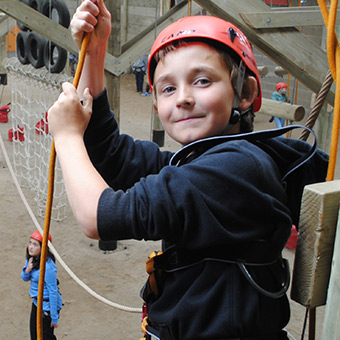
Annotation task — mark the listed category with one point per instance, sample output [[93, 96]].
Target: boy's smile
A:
[[193, 92]]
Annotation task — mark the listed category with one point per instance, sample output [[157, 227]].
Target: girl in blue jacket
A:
[[52, 301]]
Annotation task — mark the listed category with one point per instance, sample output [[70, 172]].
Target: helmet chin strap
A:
[[236, 114]]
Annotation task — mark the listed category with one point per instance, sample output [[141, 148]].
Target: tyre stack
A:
[[36, 50]]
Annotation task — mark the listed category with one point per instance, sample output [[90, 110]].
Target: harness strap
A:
[[152, 271], [257, 253]]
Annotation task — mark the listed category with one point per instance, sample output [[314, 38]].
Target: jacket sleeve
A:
[[119, 159], [229, 194], [52, 289], [25, 276]]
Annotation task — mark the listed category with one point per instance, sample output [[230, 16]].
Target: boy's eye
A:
[[203, 81], [168, 89]]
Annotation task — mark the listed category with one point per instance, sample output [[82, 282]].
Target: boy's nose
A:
[[184, 97]]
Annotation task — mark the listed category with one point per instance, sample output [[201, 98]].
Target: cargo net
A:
[[33, 92]]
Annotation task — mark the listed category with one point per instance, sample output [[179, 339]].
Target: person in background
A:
[[139, 70], [280, 94], [52, 300]]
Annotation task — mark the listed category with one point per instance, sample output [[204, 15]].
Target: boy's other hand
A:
[[91, 16]]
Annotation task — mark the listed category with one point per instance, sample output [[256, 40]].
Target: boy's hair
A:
[[231, 62]]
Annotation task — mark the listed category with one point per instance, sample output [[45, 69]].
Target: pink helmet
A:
[[212, 28], [37, 236]]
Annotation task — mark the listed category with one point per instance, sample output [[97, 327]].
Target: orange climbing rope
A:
[[50, 199], [333, 54]]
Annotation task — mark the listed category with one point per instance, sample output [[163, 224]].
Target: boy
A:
[[219, 206]]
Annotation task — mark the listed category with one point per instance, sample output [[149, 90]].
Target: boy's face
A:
[[193, 91]]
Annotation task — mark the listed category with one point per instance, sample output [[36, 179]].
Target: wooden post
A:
[[158, 134], [125, 20], [114, 47], [2, 53], [331, 326], [314, 251]]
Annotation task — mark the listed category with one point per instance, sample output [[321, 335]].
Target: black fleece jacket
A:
[[228, 196]]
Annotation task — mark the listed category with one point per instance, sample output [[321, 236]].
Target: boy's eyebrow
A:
[[194, 70], [163, 78]]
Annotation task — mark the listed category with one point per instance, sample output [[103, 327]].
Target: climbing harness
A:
[[251, 255], [176, 259], [50, 199]]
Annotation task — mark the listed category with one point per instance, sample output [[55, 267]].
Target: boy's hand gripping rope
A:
[[43, 258]]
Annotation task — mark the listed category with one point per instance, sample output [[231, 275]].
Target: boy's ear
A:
[[249, 93]]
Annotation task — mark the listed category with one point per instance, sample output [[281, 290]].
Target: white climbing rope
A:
[[53, 250]]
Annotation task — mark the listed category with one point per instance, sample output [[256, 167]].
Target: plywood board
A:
[[314, 251]]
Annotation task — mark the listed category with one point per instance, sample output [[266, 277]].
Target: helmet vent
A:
[[232, 34]]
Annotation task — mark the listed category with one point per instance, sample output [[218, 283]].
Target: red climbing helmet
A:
[[281, 85], [213, 28], [37, 236]]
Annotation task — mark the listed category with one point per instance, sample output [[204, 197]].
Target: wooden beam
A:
[[49, 29], [39, 23], [151, 28], [6, 24], [289, 17], [3, 17], [288, 47], [142, 43]]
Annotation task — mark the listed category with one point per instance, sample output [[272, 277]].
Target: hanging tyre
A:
[[35, 49], [55, 57], [57, 11], [21, 42], [32, 3]]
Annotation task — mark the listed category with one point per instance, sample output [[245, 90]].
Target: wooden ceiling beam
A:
[[285, 17], [143, 45], [287, 46]]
